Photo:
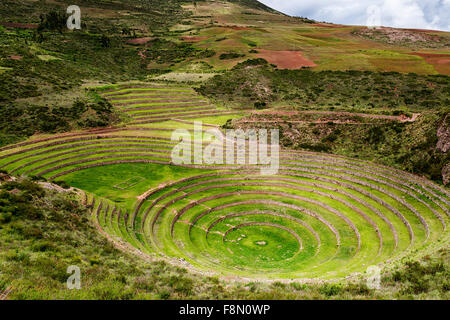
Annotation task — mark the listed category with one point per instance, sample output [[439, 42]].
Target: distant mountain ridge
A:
[[253, 4]]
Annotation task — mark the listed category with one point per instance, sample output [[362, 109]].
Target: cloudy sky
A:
[[420, 14]]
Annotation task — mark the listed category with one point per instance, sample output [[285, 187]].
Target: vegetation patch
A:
[[352, 89]]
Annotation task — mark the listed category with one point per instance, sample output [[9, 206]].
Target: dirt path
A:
[[139, 40], [19, 25], [4, 295], [400, 118]]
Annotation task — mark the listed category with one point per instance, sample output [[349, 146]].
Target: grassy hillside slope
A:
[[184, 41]]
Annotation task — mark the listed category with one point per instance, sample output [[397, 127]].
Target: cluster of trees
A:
[[230, 55], [24, 122], [15, 201], [164, 51], [352, 89], [52, 21]]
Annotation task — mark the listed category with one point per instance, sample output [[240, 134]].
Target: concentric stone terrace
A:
[[157, 104], [321, 216]]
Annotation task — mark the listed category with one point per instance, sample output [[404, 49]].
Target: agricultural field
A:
[[322, 216], [88, 120]]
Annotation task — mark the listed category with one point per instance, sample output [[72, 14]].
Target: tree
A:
[[52, 21], [105, 41]]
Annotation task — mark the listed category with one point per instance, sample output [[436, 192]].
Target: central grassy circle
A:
[[279, 244]]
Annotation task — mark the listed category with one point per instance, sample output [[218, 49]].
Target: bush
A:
[[164, 294], [52, 21], [252, 63], [105, 41], [62, 184], [38, 178], [260, 105], [330, 289], [5, 217], [320, 147], [42, 246], [230, 55], [181, 285]]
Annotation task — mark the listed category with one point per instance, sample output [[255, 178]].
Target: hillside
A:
[[89, 177]]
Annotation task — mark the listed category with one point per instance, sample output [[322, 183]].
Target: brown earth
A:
[[441, 62], [189, 38], [139, 40], [286, 59], [142, 55], [239, 28], [16, 57], [19, 25], [431, 55]]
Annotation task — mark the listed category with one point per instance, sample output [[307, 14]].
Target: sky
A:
[[417, 14]]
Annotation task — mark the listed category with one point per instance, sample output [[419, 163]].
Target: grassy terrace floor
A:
[[322, 216]]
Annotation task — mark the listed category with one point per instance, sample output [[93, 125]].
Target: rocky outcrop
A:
[[444, 135], [446, 174]]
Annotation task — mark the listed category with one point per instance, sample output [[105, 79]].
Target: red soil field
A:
[[16, 57], [19, 25], [139, 40], [441, 62], [286, 59], [431, 55]]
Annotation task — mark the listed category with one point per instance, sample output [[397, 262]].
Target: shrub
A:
[[181, 285], [42, 246], [62, 184], [164, 294], [5, 217], [260, 105], [230, 55], [38, 178], [252, 63], [52, 21], [330, 289], [105, 41]]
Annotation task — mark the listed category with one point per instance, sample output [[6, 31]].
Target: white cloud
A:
[[428, 14]]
